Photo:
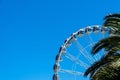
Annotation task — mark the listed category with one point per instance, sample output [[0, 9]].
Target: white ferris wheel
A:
[[74, 56]]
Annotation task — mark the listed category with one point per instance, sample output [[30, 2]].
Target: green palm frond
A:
[[113, 21], [111, 71], [115, 49], [115, 15], [95, 66], [107, 43], [113, 26], [103, 61]]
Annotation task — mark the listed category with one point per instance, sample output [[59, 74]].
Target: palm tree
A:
[[108, 67], [112, 44]]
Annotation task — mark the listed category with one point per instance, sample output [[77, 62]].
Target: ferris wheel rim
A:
[[73, 37]]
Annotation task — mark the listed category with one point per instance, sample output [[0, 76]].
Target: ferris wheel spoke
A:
[[73, 69], [92, 44], [87, 46], [90, 39], [76, 60], [84, 52], [71, 72]]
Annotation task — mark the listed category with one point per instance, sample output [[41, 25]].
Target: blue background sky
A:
[[31, 32]]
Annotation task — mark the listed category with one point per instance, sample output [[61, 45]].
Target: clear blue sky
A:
[[31, 32]]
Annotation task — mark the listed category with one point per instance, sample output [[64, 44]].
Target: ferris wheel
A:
[[74, 56]]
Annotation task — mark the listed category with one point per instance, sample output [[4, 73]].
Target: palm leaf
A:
[[107, 43], [103, 61], [95, 66], [111, 71], [116, 15], [113, 21]]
